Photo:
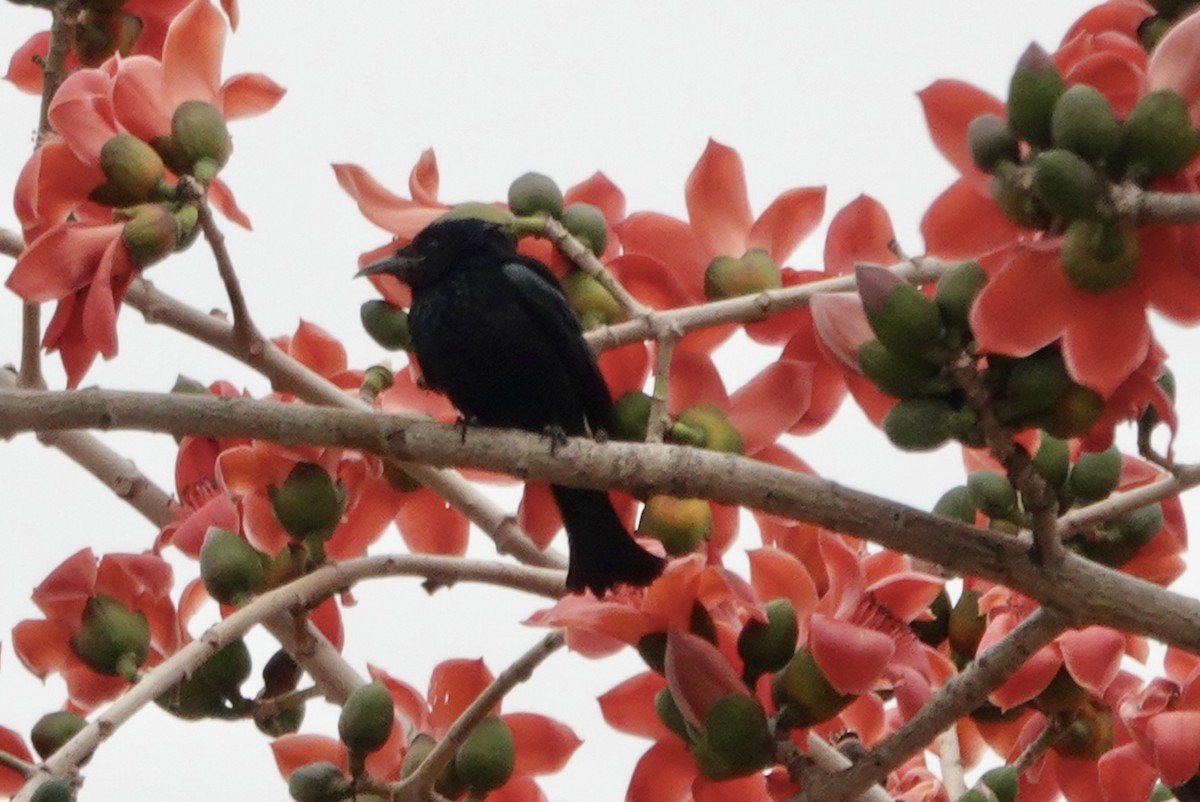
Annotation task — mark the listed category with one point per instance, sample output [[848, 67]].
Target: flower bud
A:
[[935, 630], [319, 782], [231, 569], [112, 639], [768, 645], [200, 139], [55, 789], [899, 375], [534, 193], [53, 730], [668, 713], [1066, 184], [1014, 197], [631, 416], [736, 739], [1032, 386], [1095, 474], [920, 424], [1075, 412], [956, 292], [1052, 459], [308, 504], [365, 722], [680, 524], [992, 494], [967, 626], [386, 324], [1084, 122], [486, 759], [448, 784], [715, 431], [901, 316], [1157, 138], [151, 234], [1034, 89], [1098, 256], [591, 301], [727, 277], [991, 142], [1003, 782], [186, 217], [213, 690], [587, 224], [1115, 542], [133, 169], [956, 505], [804, 694]]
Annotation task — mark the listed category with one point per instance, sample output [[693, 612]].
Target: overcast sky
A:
[[809, 93]]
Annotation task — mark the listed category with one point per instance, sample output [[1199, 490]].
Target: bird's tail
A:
[[602, 552]]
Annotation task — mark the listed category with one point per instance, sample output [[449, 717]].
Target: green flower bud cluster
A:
[[729, 277], [1054, 156]]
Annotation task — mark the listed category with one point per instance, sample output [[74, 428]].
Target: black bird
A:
[[492, 330]]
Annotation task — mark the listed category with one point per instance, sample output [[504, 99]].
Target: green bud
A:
[[187, 217], [718, 434], [1095, 474], [534, 193], [319, 782], [366, 719], [213, 690], [992, 494], [768, 645], [668, 713], [280, 674], [956, 504], [727, 277], [967, 625], [652, 648], [285, 721], [1077, 409], [737, 740], [376, 379], [919, 424], [1157, 138], [485, 760], [1032, 386], [151, 235], [991, 143], [586, 223], [55, 789], [680, 524], [956, 292], [803, 692], [308, 503], [1098, 256], [1115, 542], [935, 630], [896, 374], [53, 730], [1003, 782], [1032, 93], [591, 300], [231, 569], [199, 133], [901, 316], [1084, 122], [631, 416], [112, 639], [1066, 184], [133, 169], [1052, 459], [387, 324], [1015, 199], [1151, 30]]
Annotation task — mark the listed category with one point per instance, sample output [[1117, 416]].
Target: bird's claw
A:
[[557, 437]]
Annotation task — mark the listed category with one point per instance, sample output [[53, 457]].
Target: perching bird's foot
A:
[[557, 437], [462, 424]]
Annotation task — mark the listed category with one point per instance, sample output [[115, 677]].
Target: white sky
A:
[[809, 93]]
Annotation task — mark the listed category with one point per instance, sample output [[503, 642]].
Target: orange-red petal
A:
[[787, 221], [629, 707], [543, 744], [717, 203]]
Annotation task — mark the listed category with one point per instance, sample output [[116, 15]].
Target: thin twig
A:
[[958, 697], [950, 760], [582, 256], [23, 767], [656, 424], [1051, 733], [1185, 477], [417, 784], [1145, 206]]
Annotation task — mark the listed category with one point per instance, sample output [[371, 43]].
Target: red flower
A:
[[141, 582], [1164, 718], [665, 258], [10, 779]]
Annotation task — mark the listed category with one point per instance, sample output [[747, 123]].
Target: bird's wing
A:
[[539, 290]]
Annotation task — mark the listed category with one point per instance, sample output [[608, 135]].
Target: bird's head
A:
[[442, 247]]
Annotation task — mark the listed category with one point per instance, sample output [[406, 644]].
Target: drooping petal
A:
[[538, 515], [317, 349], [861, 231], [949, 108], [82, 113], [61, 261], [1093, 656], [663, 774], [192, 54], [423, 179], [787, 221], [249, 94], [23, 70], [382, 207], [629, 707], [430, 526], [543, 745], [1176, 739], [717, 203], [453, 685], [851, 657]]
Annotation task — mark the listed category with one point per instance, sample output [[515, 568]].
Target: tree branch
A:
[[1089, 592], [1145, 206]]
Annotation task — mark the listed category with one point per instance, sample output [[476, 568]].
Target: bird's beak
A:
[[400, 264]]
